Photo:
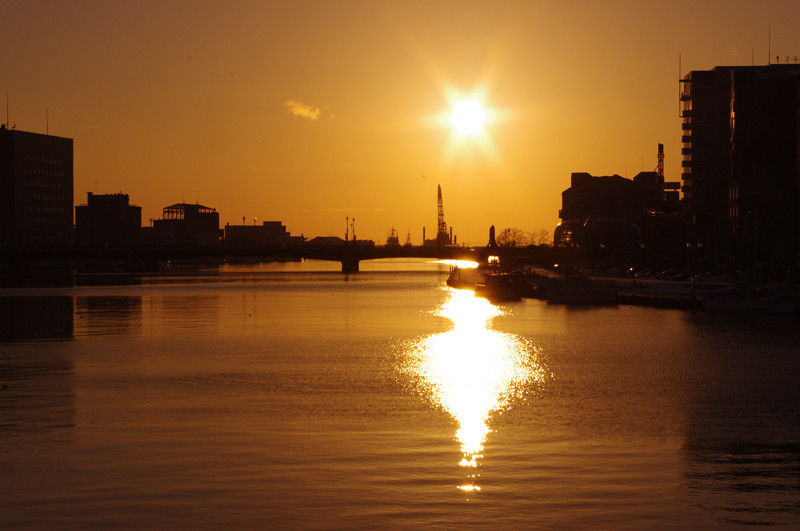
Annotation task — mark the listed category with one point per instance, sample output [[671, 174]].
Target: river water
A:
[[290, 395]]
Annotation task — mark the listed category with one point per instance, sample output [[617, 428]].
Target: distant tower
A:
[[442, 238], [660, 168], [492, 242]]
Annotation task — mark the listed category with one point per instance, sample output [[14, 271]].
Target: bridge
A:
[[148, 258]]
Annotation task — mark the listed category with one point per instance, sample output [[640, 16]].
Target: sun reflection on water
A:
[[472, 372]]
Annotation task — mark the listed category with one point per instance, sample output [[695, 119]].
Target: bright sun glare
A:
[[468, 117]]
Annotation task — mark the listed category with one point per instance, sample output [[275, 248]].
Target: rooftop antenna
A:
[[353, 223], [347, 228], [769, 42]]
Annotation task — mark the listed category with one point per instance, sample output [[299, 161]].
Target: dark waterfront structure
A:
[[268, 234], [187, 225], [326, 241], [35, 190], [108, 220], [615, 212], [600, 210], [741, 168]]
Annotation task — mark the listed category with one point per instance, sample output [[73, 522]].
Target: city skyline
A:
[[310, 112]]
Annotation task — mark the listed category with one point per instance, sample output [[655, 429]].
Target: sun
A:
[[468, 117]]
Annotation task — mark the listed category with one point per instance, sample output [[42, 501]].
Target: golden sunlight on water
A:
[[462, 264], [472, 372]]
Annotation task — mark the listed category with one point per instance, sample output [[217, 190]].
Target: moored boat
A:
[[461, 278], [501, 287]]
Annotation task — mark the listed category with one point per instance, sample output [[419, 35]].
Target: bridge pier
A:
[[349, 264]]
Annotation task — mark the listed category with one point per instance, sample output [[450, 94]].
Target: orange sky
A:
[[169, 101]]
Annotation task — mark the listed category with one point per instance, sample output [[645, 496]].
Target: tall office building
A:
[[35, 190], [741, 167], [108, 220]]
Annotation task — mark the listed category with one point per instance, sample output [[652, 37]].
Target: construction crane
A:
[[442, 237]]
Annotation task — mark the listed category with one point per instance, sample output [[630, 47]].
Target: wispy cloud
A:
[[301, 110]]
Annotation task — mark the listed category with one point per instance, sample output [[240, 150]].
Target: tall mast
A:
[[442, 226]]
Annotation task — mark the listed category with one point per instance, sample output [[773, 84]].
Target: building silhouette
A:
[[270, 234], [35, 190], [326, 241], [600, 211], [614, 212], [741, 167], [108, 220], [187, 225]]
